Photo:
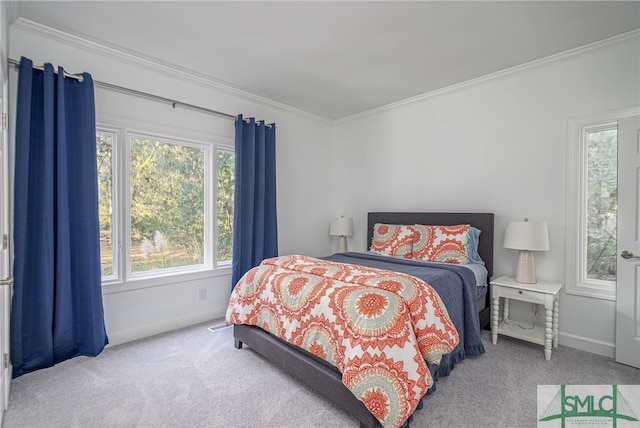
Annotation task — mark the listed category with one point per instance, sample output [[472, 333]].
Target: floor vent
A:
[[218, 327]]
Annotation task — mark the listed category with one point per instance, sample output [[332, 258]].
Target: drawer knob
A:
[[519, 291]]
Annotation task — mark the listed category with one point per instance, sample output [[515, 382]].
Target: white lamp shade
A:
[[527, 235], [341, 226]]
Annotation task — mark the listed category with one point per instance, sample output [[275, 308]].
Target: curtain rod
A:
[[77, 77], [141, 94]]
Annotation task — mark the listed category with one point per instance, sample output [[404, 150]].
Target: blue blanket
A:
[[456, 286]]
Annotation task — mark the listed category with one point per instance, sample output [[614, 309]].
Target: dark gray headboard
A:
[[482, 221]]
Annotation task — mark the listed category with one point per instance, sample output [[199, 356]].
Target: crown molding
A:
[[154, 65], [630, 37], [202, 80]]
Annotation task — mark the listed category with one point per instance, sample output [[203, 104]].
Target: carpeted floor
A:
[[194, 377]]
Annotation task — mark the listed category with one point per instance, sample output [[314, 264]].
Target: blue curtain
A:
[[255, 226], [57, 308]]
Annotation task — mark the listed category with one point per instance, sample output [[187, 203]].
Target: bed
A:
[[324, 378]]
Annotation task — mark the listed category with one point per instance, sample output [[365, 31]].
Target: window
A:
[[592, 209], [157, 207], [225, 191], [602, 204], [167, 225], [105, 141]]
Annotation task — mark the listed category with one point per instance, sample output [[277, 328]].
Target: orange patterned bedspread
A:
[[377, 327]]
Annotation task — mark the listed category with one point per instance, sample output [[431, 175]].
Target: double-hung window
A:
[[166, 205]]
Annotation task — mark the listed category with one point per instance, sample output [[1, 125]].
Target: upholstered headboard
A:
[[482, 221]]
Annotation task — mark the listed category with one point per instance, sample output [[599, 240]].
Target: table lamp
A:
[[526, 236], [341, 227]]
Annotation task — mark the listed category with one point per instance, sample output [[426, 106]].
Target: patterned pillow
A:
[[393, 240], [442, 243]]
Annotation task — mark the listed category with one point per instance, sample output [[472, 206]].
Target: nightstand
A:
[[541, 293]]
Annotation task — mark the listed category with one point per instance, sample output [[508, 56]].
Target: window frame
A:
[[115, 202], [208, 165], [123, 279], [576, 279]]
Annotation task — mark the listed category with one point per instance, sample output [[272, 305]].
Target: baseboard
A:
[[588, 345], [565, 339], [142, 332]]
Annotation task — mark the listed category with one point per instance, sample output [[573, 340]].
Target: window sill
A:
[[592, 291], [115, 286]]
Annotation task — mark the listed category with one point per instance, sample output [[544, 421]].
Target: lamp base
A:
[[342, 244], [526, 268]]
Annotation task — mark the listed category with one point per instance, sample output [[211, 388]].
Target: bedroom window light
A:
[[224, 206], [168, 198], [158, 202], [105, 142], [602, 204], [592, 209]]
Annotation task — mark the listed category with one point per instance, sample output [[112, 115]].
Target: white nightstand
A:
[[542, 293]]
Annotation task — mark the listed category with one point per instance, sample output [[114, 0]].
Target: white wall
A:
[[302, 158], [497, 145]]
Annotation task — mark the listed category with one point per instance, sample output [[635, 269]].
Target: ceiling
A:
[[338, 58]]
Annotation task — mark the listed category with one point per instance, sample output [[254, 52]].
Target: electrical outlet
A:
[[202, 294]]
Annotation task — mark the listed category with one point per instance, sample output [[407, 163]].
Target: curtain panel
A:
[[255, 226], [57, 310]]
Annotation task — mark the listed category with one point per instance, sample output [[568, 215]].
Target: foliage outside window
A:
[[225, 190], [105, 141], [165, 223], [167, 204], [602, 204], [592, 204]]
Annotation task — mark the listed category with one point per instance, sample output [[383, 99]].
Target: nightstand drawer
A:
[[524, 295]]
